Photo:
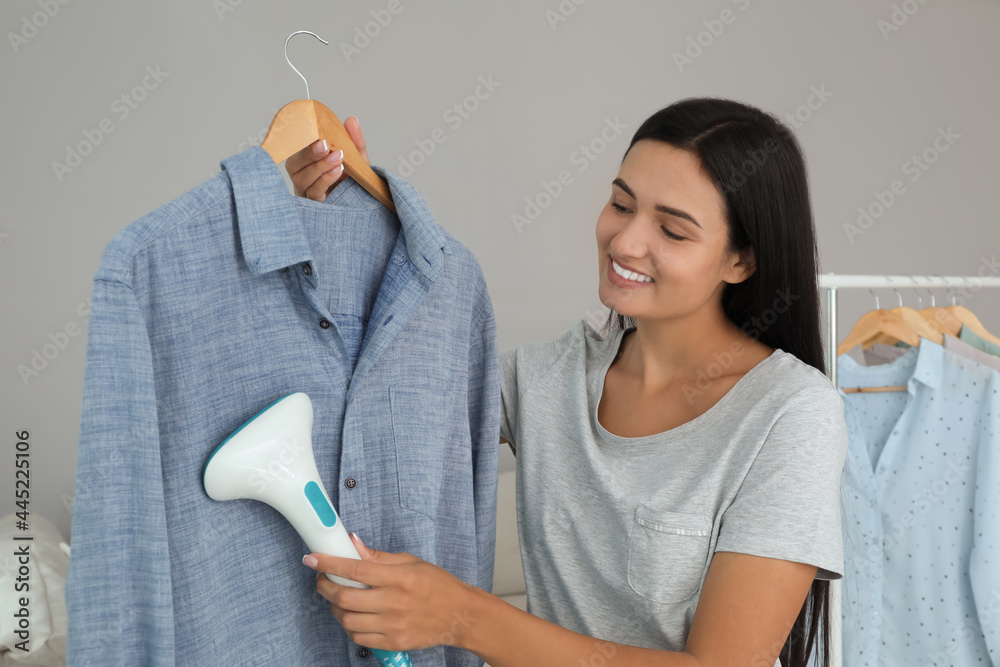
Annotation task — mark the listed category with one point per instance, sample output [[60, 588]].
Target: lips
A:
[[620, 281]]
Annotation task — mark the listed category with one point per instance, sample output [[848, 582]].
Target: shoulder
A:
[[791, 382], [574, 349], [804, 413], [121, 251]]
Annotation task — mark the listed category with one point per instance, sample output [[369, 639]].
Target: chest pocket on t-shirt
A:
[[668, 553]]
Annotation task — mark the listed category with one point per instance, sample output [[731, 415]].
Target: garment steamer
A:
[[270, 458]]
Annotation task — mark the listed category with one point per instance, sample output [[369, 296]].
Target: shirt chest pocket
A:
[[419, 419], [668, 553]]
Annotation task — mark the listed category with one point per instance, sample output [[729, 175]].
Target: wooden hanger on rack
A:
[[885, 326], [965, 316], [922, 324], [299, 123]]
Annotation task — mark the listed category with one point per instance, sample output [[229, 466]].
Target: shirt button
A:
[[325, 323], [363, 652], [398, 259], [306, 269], [350, 482]]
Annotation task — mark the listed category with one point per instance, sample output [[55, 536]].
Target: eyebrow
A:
[[659, 207]]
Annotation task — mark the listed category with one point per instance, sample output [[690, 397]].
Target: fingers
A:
[[353, 127], [325, 181], [315, 169], [363, 572], [307, 156], [349, 598]]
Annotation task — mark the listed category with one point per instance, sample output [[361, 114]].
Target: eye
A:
[[617, 207], [671, 235]]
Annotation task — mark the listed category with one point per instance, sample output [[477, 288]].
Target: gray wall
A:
[[885, 95]]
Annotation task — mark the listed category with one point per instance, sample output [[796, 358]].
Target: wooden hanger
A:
[[299, 123], [943, 320], [874, 323], [879, 322], [966, 317]]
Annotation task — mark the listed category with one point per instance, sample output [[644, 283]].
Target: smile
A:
[[629, 275]]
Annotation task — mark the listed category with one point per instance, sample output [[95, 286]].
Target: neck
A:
[[663, 352]]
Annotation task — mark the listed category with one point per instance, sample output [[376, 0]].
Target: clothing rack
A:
[[832, 282]]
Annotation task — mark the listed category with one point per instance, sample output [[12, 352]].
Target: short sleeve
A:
[[508, 396], [788, 504]]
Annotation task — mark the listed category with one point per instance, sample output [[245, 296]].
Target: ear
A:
[[744, 265]]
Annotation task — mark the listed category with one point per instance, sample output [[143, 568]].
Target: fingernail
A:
[[311, 561], [321, 147], [333, 157], [357, 537]]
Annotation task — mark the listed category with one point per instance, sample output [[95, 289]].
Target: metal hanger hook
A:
[[900, 297], [920, 299], [876, 298], [299, 32]]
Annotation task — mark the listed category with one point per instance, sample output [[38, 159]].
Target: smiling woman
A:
[[678, 475]]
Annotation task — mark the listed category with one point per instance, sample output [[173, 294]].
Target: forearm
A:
[[504, 636]]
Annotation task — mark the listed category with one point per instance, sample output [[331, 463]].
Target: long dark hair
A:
[[758, 167]]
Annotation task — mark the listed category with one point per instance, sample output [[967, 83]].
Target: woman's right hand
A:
[[315, 170]]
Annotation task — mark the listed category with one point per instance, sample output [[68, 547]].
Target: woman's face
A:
[[664, 220]]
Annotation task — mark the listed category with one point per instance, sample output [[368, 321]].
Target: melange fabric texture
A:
[[205, 311], [922, 524], [617, 533]]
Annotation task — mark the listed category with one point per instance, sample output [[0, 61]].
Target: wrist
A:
[[468, 616]]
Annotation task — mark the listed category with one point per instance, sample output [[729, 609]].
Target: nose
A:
[[630, 242]]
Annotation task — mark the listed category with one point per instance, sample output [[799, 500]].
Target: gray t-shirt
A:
[[617, 533]]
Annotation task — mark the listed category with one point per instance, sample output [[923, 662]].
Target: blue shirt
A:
[[208, 309], [921, 494]]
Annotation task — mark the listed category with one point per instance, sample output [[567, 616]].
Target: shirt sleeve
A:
[[484, 414], [508, 396], [788, 505], [118, 585], [984, 574]]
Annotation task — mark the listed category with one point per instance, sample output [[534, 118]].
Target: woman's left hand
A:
[[412, 604]]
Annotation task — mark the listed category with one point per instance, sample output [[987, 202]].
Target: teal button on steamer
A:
[[270, 459]]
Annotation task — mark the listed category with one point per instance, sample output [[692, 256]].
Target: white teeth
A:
[[630, 275]]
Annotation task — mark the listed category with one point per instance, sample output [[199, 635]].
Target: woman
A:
[[678, 479]]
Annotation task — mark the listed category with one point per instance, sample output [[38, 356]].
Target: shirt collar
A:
[[927, 368], [271, 231], [930, 359]]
